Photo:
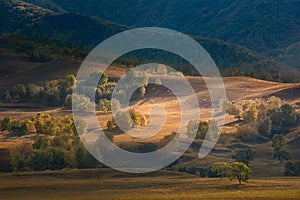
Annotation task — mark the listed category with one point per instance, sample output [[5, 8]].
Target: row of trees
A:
[[40, 124], [53, 93]]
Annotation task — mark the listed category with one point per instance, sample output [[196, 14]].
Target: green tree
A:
[[84, 159], [39, 160], [4, 124], [247, 132], [264, 127], [239, 171], [18, 162], [288, 115], [19, 92], [28, 127], [244, 156], [33, 92], [280, 148], [220, 168], [292, 168], [57, 159], [41, 142]]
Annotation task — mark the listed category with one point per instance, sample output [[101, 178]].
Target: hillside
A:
[[36, 21], [258, 25]]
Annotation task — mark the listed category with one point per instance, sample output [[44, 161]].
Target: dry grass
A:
[[159, 185]]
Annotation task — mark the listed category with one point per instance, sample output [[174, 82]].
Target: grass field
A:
[[84, 184]]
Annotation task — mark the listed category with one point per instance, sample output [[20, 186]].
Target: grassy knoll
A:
[[84, 184]]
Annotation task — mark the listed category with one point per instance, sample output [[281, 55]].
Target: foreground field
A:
[[84, 184]]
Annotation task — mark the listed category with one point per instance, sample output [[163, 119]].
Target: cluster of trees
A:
[[235, 170], [56, 144], [126, 121], [263, 118], [39, 124], [203, 129], [53, 153], [53, 93]]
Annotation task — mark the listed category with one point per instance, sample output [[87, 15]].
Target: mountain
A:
[[256, 24], [41, 24]]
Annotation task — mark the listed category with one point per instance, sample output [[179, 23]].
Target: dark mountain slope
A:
[[258, 25]]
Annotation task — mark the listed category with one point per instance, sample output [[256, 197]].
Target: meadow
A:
[[84, 184]]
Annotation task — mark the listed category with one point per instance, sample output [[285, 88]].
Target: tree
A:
[[239, 171], [200, 126], [41, 142], [288, 115], [19, 92], [247, 132], [84, 159], [104, 105], [40, 160], [18, 162], [57, 159], [280, 148], [28, 127], [244, 156], [33, 92], [68, 101], [292, 169], [264, 127], [220, 168], [250, 114], [110, 124], [4, 124]]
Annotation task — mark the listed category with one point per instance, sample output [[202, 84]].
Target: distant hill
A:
[[289, 55], [258, 25]]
